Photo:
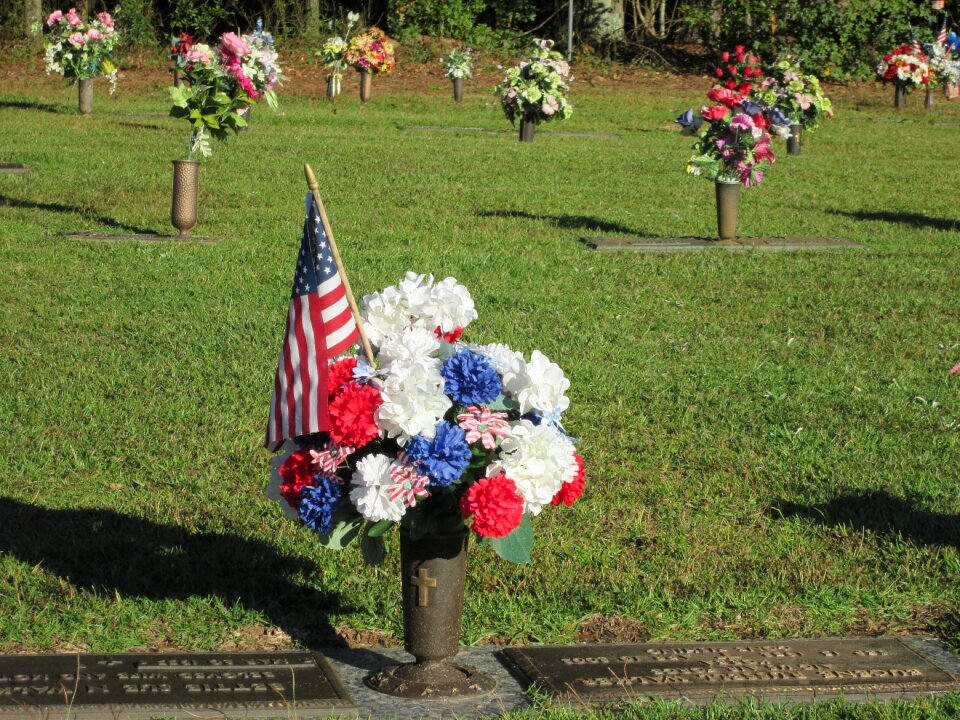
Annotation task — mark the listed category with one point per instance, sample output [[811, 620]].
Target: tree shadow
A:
[[879, 512], [71, 210], [105, 551], [565, 222], [904, 218], [43, 107]]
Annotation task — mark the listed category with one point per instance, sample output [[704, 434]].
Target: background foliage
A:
[[842, 39]]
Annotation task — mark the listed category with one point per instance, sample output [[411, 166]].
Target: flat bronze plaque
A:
[[679, 244], [451, 128], [140, 237], [179, 685], [13, 168], [788, 670]]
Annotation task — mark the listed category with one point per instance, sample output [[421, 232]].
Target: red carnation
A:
[[719, 72], [450, 337], [351, 415], [730, 84], [761, 121], [752, 58], [571, 491], [732, 69], [714, 112], [340, 373], [722, 95], [745, 88], [740, 50], [296, 473], [725, 57], [495, 504]]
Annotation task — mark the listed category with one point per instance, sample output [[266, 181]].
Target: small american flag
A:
[[319, 326], [942, 37], [917, 48]]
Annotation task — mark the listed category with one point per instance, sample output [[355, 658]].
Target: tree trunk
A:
[[32, 13], [611, 21], [313, 18]]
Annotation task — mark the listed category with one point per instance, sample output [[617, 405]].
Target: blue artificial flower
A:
[[318, 503], [444, 458], [777, 117], [689, 121], [750, 107], [470, 379]]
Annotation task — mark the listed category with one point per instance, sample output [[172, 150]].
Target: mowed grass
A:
[[772, 438]]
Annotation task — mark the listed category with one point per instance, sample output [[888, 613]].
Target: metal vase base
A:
[[794, 141], [432, 569], [85, 96], [899, 97], [928, 98], [332, 89], [186, 188], [458, 89], [728, 201], [527, 127], [366, 86]]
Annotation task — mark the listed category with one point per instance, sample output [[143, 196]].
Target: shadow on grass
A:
[[912, 219], [565, 222], [106, 551], [42, 107], [70, 210], [880, 513]]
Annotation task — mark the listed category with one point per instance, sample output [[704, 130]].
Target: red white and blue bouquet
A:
[[439, 435], [906, 66]]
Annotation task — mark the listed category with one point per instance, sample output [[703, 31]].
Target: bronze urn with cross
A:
[[433, 569]]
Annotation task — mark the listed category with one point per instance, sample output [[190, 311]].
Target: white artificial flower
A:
[[416, 290], [372, 488], [502, 357], [384, 313], [537, 385], [412, 345], [448, 306], [413, 401], [538, 459]]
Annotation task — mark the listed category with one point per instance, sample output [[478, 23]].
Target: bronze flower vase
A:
[[85, 96], [728, 201], [332, 88], [433, 569], [527, 127], [899, 97], [458, 89], [176, 77], [928, 98], [366, 86], [794, 141], [186, 188]]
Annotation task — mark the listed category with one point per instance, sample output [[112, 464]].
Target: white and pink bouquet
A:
[[440, 435], [537, 88], [81, 50], [261, 64]]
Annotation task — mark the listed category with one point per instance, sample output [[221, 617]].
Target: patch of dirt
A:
[[611, 629]]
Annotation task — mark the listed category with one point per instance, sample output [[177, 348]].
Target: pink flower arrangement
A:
[[371, 52], [79, 50]]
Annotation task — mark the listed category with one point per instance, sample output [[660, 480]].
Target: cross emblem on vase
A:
[[423, 582]]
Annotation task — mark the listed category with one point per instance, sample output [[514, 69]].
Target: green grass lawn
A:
[[772, 439]]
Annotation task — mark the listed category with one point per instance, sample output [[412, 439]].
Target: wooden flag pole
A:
[[312, 184]]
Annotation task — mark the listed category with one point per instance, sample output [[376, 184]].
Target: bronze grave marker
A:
[[773, 670], [180, 685], [680, 244]]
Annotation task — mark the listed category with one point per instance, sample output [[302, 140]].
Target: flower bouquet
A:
[[441, 436], [733, 143], [80, 51], [906, 67], [798, 96], [738, 71], [261, 65], [178, 46], [944, 70], [536, 89], [332, 51], [459, 66], [370, 53]]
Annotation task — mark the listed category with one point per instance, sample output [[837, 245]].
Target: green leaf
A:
[[504, 404], [346, 529], [372, 549], [518, 545], [378, 529]]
